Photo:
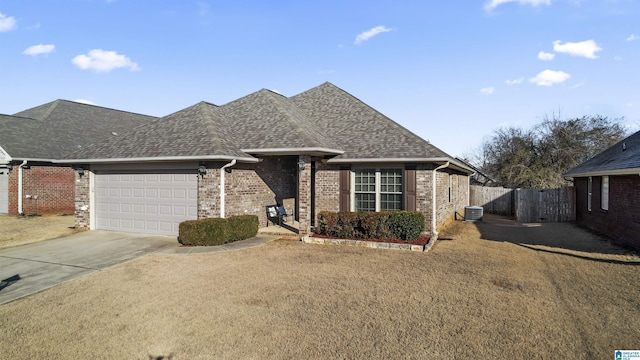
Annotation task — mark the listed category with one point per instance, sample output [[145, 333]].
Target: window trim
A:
[[589, 192]]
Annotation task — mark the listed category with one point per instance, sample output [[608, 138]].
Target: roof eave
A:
[[314, 151], [160, 159], [440, 160], [629, 171]]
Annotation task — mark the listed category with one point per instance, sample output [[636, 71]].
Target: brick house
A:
[[322, 149], [30, 141], [608, 192]]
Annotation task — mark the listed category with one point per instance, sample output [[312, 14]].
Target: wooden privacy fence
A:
[[526, 205], [494, 200], [545, 205]]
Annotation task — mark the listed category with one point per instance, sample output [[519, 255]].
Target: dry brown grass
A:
[[23, 230], [467, 298]]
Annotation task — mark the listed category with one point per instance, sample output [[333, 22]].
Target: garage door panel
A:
[[149, 203]]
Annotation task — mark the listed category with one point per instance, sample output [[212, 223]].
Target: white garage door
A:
[[150, 203], [4, 191]]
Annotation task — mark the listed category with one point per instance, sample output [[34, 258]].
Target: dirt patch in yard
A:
[[475, 295], [21, 230]]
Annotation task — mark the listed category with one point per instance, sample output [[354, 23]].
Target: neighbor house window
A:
[[377, 189], [604, 193], [589, 192]]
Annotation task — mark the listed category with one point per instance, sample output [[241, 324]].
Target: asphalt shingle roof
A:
[[324, 120], [625, 155], [361, 131], [24, 138], [64, 126]]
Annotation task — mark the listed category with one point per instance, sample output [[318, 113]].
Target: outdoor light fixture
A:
[[301, 164], [202, 170], [80, 172]]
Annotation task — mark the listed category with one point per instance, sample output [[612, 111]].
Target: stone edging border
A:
[[370, 244]]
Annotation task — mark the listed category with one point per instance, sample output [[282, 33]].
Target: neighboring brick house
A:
[[30, 141], [320, 150], [608, 192]]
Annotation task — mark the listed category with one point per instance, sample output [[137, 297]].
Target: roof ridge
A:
[[101, 107], [51, 108], [213, 129], [290, 118]]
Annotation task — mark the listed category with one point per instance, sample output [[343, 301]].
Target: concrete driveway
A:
[[25, 270]]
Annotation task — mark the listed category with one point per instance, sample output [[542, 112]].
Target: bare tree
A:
[[538, 157]]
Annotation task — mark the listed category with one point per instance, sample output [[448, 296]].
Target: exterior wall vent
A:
[[473, 213]]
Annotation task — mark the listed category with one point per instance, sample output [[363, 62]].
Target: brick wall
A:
[[423, 194], [622, 221], [251, 187], [53, 185], [452, 196], [209, 192], [327, 192], [327, 188]]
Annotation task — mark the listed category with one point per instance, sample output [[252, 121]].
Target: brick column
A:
[[304, 195], [83, 200]]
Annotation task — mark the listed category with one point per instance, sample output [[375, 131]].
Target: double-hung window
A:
[[365, 190], [378, 189], [604, 193]]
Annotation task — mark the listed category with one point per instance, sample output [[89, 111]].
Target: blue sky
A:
[[450, 71]]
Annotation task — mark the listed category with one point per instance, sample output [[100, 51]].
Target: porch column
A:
[[304, 194], [83, 200]]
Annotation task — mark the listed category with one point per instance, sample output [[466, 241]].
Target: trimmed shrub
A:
[[217, 231], [399, 225], [406, 225]]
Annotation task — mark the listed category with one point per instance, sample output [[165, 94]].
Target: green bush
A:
[[401, 225], [217, 231]]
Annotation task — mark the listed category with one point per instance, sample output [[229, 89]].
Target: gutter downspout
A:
[[434, 233], [222, 193], [24, 162]]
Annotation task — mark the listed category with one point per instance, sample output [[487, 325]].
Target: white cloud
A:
[[84, 101], [103, 61], [587, 48], [633, 37], [7, 23], [545, 56], [492, 4], [366, 35], [550, 77], [487, 90], [39, 49], [514, 81]]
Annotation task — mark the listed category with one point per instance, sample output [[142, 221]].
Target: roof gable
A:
[[621, 158]]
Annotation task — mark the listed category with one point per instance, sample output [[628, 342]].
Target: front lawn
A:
[[471, 296]]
